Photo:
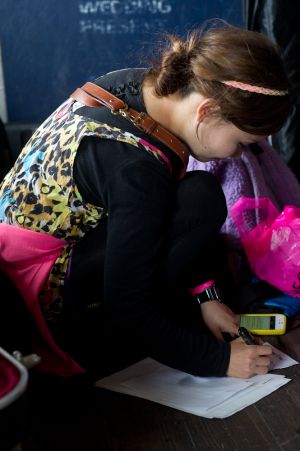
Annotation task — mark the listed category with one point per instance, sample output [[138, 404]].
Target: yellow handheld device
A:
[[264, 323]]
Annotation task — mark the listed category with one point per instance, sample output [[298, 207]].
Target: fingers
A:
[[262, 365], [263, 349], [232, 329], [235, 330], [218, 334], [261, 370], [263, 361]]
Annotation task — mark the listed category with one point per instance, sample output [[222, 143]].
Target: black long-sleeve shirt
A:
[[136, 191]]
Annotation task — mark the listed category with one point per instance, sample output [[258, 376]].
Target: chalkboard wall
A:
[[49, 47]]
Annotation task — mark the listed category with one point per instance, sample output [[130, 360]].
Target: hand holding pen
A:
[[247, 358]]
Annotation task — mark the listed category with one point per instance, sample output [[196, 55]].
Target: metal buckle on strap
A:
[[135, 120], [121, 111], [138, 119]]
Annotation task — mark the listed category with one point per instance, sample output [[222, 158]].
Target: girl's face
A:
[[217, 139]]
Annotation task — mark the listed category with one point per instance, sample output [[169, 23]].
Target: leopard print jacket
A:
[[40, 194]]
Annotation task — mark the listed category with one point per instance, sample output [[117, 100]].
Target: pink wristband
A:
[[200, 288]]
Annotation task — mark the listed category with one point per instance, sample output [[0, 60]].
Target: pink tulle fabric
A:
[[27, 257]]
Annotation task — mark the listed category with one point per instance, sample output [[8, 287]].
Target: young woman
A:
[[120, 249]]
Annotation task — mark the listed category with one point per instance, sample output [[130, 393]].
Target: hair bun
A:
[[174, 70]]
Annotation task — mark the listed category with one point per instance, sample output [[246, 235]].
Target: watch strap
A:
[[209, 294]]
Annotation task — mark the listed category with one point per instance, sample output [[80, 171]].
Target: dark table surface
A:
[[80, 417]]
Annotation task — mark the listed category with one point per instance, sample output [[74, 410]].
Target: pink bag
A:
[[271, 241]]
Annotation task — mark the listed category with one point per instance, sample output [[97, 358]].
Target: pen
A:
[[243, 332]]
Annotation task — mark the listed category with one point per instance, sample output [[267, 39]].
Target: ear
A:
[[205, 108]]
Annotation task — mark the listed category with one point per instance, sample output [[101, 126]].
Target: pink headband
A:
[[252, 88]]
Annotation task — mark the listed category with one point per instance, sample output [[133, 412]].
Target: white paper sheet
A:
[[280, 359], [212, 397]]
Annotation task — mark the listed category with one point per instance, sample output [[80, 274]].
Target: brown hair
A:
[[229, 53]]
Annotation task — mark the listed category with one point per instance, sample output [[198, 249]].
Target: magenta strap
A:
[[200, 288]]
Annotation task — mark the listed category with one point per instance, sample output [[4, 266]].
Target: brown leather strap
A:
[[95, 96]]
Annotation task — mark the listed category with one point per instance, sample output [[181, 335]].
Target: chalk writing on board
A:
[[126, 7], [123, 17]]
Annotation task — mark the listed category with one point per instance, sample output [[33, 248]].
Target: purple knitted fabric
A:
[[263, 175]]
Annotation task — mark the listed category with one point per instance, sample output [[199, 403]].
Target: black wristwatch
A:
[[209, 294]]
